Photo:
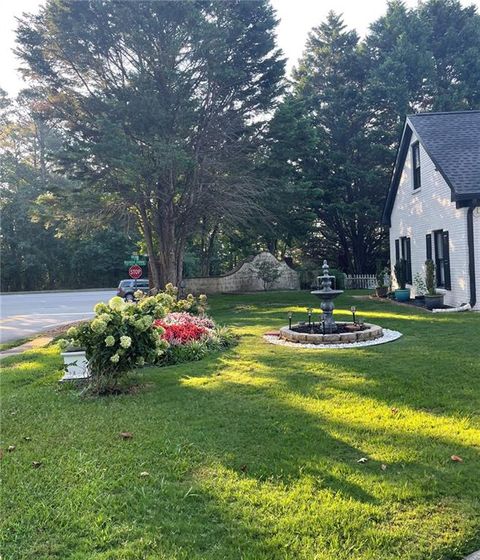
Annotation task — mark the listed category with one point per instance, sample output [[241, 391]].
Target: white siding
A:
[[416, 213], [476, 235]]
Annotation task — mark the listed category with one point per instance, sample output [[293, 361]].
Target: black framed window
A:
[[403, 250], [416, 165], [442, 259], [428, 240]]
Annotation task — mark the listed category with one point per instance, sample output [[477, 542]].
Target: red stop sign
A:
[[135, 271]]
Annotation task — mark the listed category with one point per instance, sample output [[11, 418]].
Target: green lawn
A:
[[252, 454]]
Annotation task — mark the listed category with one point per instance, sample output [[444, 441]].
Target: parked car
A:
[[127, 288]]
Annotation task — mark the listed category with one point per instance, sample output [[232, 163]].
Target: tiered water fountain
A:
[[327, 331]]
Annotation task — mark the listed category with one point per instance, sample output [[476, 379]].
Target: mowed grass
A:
[[253, 454]]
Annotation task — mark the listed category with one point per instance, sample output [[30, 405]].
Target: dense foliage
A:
[[191, 337], [53, 234], [143, 128], [124, 336], [120, 338], [332, 142], [161, 104]]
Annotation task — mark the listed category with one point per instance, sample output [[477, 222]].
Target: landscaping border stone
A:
[[387, 336], [371, 332]]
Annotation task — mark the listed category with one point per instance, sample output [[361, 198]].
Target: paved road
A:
[[26, 314]]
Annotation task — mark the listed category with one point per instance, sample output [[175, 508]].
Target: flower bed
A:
[[181, 328], [191, 337], [181, 334], [160, 329]]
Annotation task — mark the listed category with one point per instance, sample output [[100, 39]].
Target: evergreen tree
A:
[[452, 39], [161, 103], [355, 95], [334, 170]]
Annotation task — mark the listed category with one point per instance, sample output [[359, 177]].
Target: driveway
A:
[[23, 315]]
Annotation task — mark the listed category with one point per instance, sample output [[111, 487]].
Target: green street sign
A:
[[135, 259]]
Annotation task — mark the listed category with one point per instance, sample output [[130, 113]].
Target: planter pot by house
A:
[[76, 365], [381, 291], [402, 295], [433, 301]]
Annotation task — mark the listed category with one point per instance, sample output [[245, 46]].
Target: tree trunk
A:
[[152, 256], [165, 247], [207, 247], [170, 256]]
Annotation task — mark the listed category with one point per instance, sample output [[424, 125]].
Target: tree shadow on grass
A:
[[255, 435], [243, 464], [239, 467], [252, 445]]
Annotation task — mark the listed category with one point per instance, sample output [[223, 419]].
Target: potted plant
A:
[[432, 299], [381, 289], [401, 293], [420, 287]]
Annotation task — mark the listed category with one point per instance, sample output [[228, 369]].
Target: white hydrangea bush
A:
[[120, 338]]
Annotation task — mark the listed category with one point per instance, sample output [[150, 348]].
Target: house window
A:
[[403, 250], [442, 259], [416, 165]]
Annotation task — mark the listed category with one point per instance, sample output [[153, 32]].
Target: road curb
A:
[[473, 556]]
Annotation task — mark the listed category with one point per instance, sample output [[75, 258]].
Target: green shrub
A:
[[119, 339], [430, 277], [380, 274], [339, 278], [268, 272], [220, 339]]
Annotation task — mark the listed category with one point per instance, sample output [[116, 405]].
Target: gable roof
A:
[[452, 141]]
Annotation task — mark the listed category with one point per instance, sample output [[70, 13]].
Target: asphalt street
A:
[[23, 315]]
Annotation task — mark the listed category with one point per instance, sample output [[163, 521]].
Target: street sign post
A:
[[135, 271]]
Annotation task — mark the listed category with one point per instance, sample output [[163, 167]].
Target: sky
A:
[[297, 17]]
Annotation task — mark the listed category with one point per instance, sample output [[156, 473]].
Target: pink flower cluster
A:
[[181, 328], [183, 318]]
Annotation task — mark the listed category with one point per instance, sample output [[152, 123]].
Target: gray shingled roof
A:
[[452, 140]]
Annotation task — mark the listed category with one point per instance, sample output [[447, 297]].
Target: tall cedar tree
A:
[[353, 97], [331, 82], [161, 103]]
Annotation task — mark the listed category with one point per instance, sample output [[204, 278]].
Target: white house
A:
[[433, 202]]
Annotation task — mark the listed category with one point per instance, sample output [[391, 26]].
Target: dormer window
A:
[[416, 165]]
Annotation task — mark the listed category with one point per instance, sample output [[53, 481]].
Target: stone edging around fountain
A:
[[371, 332], [388, 336]]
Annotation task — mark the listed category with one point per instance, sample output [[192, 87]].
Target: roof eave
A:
[[400, 157]]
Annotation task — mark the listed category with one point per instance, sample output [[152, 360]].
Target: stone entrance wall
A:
[[243, 278]]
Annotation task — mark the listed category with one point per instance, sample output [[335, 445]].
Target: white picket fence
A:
[[360, 282]]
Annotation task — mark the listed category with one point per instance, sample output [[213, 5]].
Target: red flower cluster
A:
[[181, 334]]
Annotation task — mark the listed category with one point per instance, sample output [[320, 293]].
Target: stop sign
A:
[[135, 271]]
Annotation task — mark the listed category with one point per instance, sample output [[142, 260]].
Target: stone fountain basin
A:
[[370, 332], [327, 294]]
